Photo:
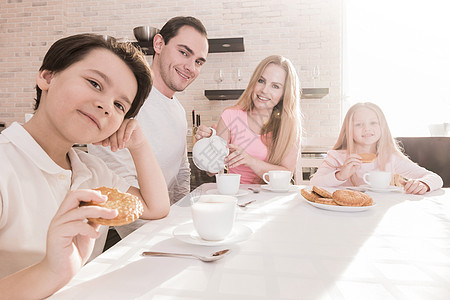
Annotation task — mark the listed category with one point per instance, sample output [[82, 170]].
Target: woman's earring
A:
[[276, 112]]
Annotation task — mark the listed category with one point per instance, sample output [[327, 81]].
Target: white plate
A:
[[341, 208], [292, 188], [239, 193], [186, 233]]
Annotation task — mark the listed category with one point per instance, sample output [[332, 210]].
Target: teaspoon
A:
[[246, 203], [254, 189], [213, 257]]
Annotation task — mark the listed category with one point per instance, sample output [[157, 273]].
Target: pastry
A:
[[129, 207], [309, 195], [398, 180], [350, 198], [367, 157], [322, 192], [328, 201]]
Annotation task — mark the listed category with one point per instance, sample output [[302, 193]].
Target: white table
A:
[[400, 249]]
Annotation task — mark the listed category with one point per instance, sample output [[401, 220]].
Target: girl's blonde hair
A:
[[284, 126], [386, 145]]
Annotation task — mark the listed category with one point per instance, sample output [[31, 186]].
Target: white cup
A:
[[378, 179], [278, 180], [228, 184], [213, 216]]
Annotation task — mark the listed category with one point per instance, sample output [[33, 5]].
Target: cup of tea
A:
[[213, 216], [228, 184], [378, 179], [278, 179]]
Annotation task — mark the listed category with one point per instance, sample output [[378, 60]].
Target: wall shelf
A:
[[223, 94], [215, 45], [226, 45], [307, 93], [314, 93]]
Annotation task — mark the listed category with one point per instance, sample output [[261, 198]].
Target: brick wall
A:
[[308, 32]]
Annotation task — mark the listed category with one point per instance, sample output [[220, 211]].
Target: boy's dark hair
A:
[[69, 50], [170, 29]]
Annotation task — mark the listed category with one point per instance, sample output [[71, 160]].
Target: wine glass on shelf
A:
[[219, 78], [238, 77], [316, 74]]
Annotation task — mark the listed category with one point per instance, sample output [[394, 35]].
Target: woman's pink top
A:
[[326, 174], [241, 135]]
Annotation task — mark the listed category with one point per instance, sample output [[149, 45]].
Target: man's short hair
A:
[[170, 29]]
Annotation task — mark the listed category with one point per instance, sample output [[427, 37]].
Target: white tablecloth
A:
[[399, 249]]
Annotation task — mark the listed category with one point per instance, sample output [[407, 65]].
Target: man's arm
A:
[[182, 186]]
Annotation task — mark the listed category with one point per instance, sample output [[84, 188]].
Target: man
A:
[[180, 48]]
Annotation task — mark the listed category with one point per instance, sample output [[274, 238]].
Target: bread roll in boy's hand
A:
[[129, 207]]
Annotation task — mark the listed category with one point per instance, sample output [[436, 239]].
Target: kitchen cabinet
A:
[[217, 45], [307, 93]]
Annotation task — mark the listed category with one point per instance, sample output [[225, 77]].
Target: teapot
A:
[[209, 154]]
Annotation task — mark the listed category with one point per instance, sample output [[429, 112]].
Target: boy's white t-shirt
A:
[[32, 187]]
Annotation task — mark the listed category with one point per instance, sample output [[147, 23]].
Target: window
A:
[[397, 55]]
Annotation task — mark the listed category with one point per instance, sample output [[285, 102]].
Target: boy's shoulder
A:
[[92, 162]]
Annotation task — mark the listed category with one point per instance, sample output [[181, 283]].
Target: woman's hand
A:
[[238, 156], [70, 239], [414, 186], [351, 165], [129, 135], [202, 132]]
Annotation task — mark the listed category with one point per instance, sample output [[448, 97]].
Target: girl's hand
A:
[[129, 135], [70, 239], [238, 156], [202, 132], [414, 186], [351, 165]]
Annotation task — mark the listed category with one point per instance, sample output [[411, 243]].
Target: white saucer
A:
[[186, 233], [239, 193], [387, 190], [292, 188], [340, 208]]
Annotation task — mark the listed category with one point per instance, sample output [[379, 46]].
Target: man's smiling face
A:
[[182, 57]]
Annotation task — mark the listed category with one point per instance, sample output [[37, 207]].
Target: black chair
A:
[[432, 153]]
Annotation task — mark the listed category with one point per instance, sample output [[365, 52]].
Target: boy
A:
[[87, 91]]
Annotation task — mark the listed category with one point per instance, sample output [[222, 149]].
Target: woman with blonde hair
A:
[[365, 131], [263, 128]]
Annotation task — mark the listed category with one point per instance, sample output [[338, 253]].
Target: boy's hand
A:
[[129, 135], [70, 238]]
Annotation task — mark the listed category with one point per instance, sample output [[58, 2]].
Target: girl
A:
[[87, 91], [365, 130], [263, 128]]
